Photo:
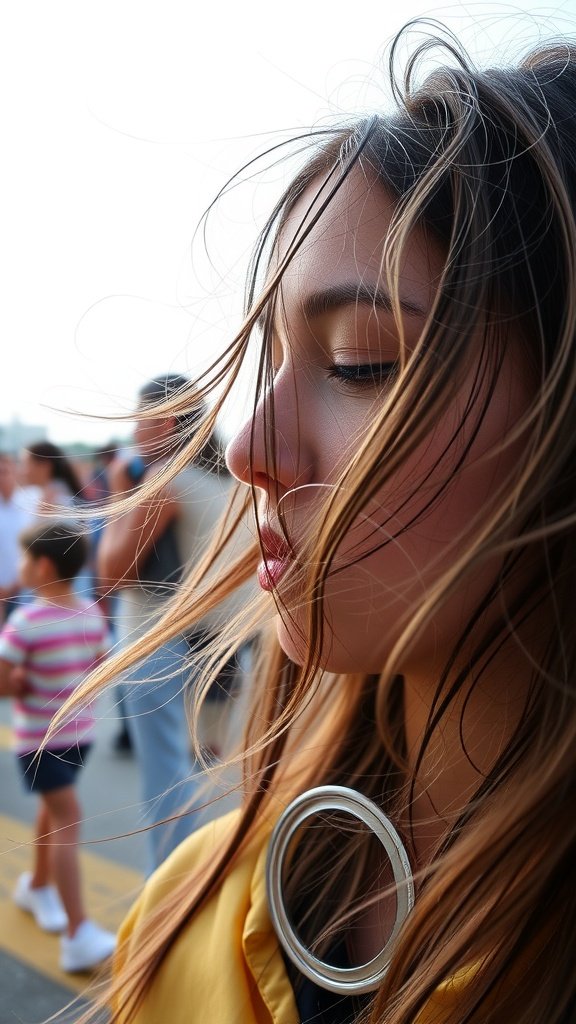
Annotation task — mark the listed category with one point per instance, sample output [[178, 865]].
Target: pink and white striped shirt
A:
[[57, 647]]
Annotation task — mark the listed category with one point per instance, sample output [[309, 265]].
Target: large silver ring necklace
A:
[[343, 980]]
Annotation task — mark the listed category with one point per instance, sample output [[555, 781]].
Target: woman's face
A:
[[335, 338], [154, 436], [35, 472]]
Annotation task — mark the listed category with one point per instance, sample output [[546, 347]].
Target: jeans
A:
[[154, 702]]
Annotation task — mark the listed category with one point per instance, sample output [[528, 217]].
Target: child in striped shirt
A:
[[46, 648]]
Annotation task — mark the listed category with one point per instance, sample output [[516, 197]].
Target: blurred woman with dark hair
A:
[[47, 467]]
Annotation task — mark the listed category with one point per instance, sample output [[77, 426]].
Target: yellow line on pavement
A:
[[109, 889]]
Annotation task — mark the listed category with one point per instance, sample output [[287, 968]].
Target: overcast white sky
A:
[[120, 121]]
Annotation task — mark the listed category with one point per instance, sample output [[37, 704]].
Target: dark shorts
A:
[[52, 769]]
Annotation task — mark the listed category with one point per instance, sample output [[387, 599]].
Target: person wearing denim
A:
[[154, 697], [136, 557]]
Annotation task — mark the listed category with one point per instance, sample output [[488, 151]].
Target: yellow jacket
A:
[[226, 966]]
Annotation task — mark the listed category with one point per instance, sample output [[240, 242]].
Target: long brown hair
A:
[[485, 162]]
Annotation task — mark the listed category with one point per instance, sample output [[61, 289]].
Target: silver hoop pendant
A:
[[343, 980]]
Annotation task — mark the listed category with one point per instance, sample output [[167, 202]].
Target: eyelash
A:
[[363, 375]]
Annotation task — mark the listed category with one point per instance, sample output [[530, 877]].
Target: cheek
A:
[[141, 431], [145, 438], [413, 532], [24, 573], [386, 567]]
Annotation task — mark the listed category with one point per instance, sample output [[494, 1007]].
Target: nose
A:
[[273, 450]]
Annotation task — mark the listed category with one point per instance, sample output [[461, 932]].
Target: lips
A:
[[277, 558]]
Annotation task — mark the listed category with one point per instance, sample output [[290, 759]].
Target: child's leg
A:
[[42, 869], [65, 818]]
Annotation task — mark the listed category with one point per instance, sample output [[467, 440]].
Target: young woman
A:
[[45, 466], [410, 464]]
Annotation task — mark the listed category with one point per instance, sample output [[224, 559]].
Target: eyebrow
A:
[[327, 300], [355, 293]]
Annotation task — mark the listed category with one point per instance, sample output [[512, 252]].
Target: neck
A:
[[58, 592], [471, 735]]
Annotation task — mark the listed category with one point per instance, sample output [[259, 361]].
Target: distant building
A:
[[15, 436]]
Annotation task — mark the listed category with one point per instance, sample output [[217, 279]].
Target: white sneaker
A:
[[44, 904], [89, 946]]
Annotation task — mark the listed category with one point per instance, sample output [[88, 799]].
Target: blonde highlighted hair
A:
[[485, 163]]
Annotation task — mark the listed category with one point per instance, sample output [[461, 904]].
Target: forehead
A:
[[349, 242]]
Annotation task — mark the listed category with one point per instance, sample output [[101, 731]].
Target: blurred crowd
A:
[[133, 562], [77, 585], [42, 481]]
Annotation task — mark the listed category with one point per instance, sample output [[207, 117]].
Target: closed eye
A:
[[363, 375]]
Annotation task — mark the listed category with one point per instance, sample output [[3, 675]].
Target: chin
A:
[[292, 643], [336, 657]]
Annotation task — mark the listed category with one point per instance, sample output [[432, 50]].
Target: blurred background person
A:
[[141, 554], [98, 485], [47, 467], [97, 491], [60, 490], [14, 518], [46, 650]]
